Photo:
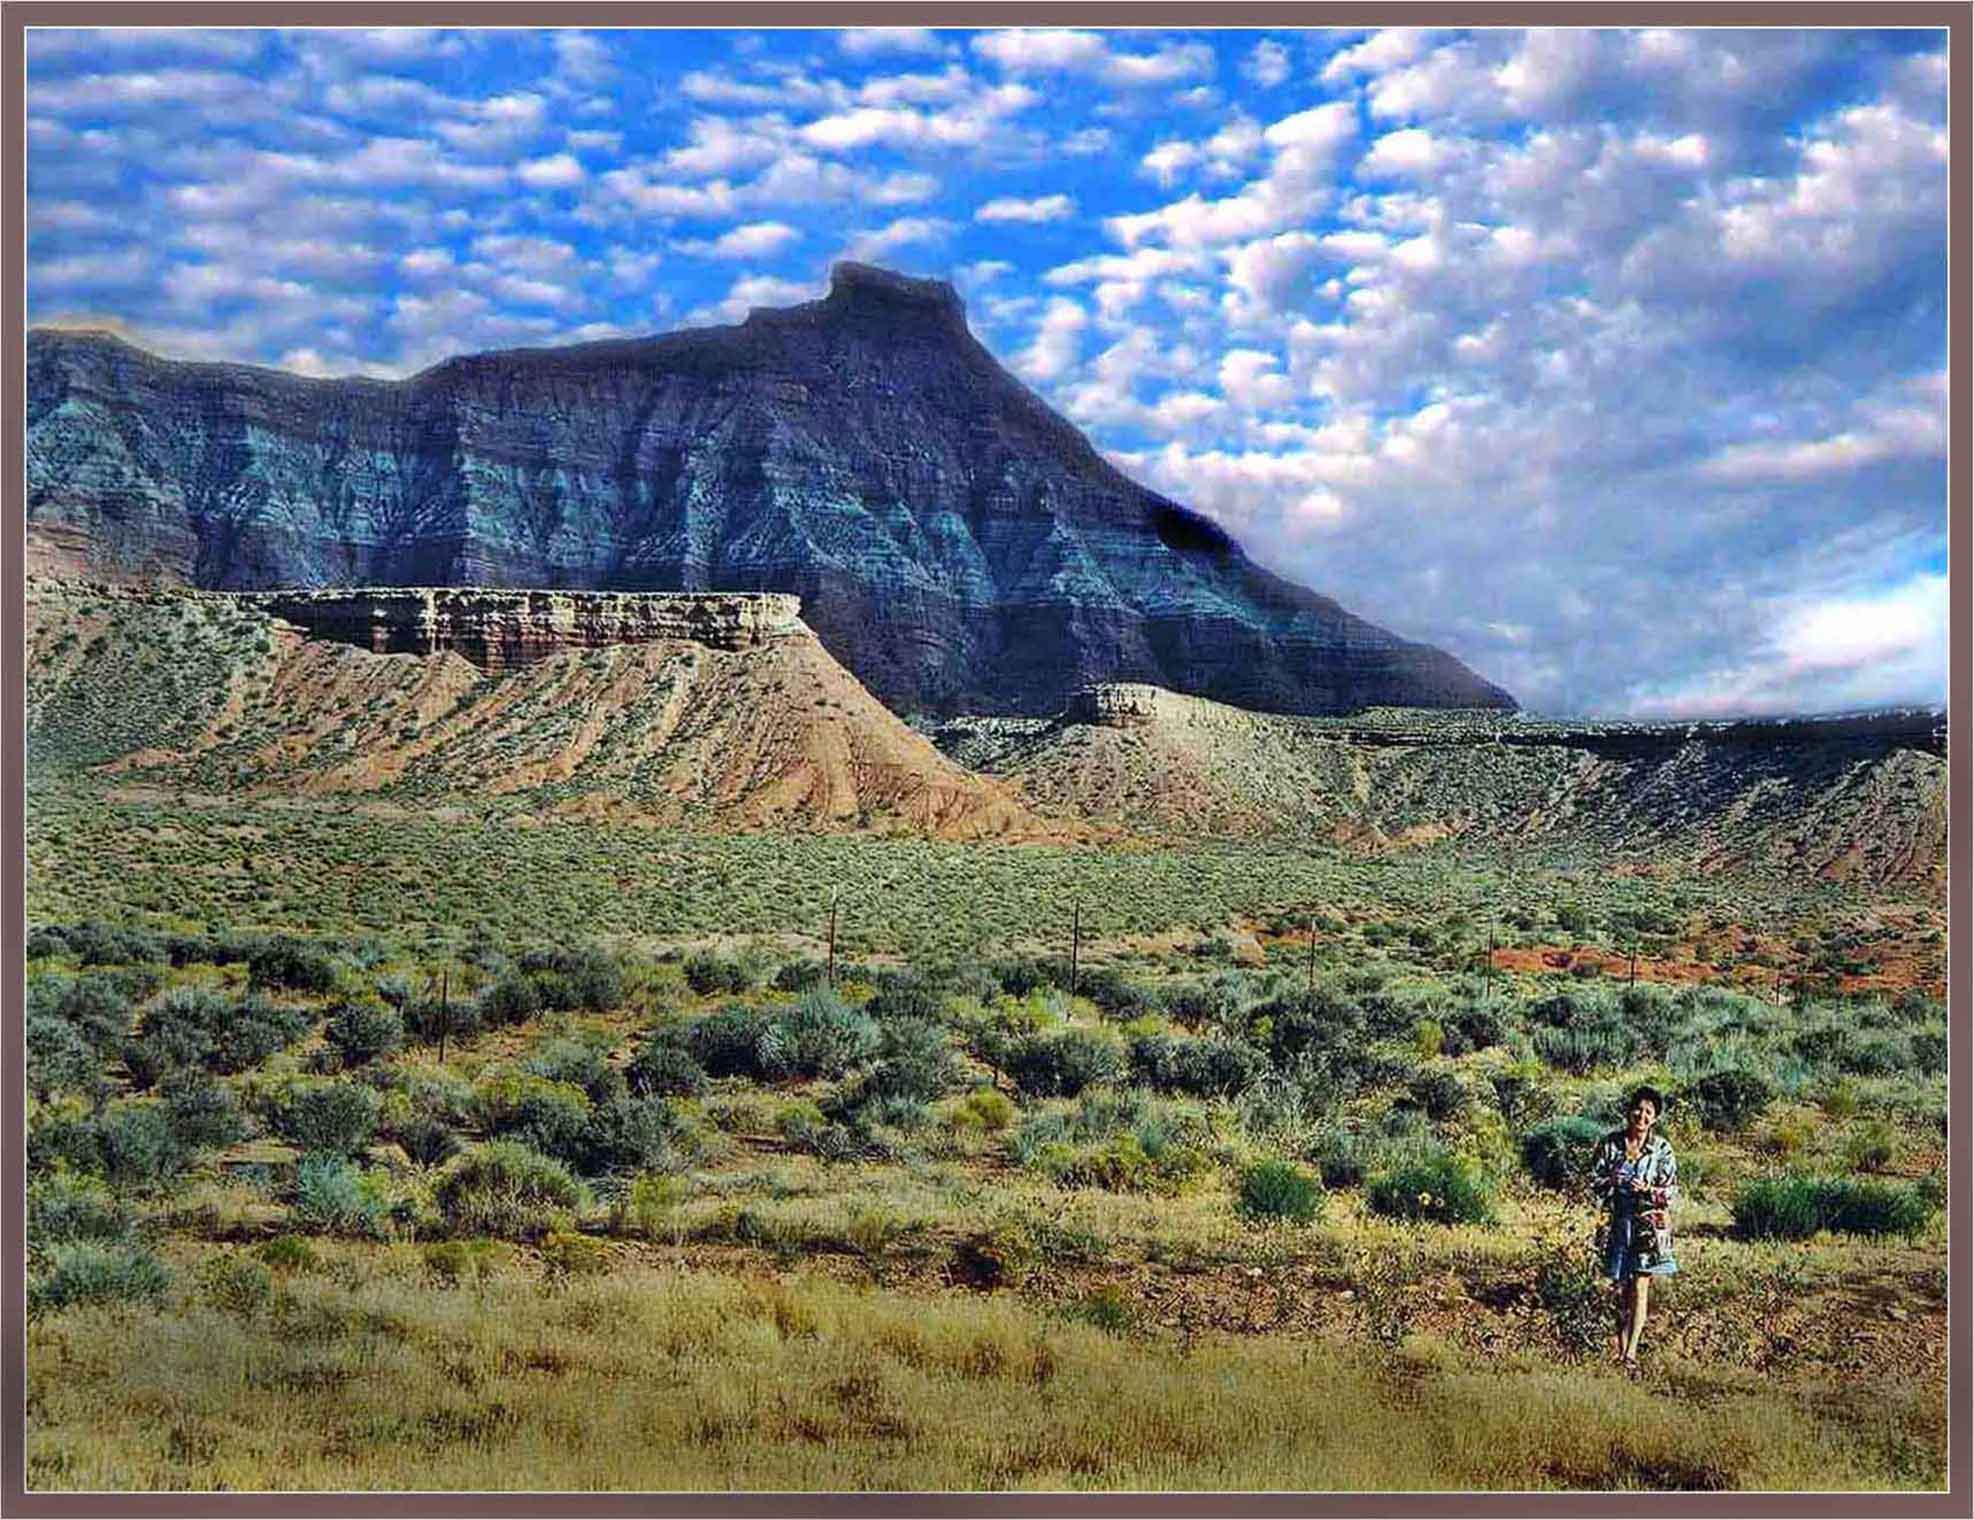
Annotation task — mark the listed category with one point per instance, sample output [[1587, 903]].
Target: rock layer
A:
[[955, 543], [498, 630]]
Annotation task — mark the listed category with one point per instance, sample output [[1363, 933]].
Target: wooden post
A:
[[1634, 961], [445, 1010], [832, 939], [1075, 945], [1312, 952]]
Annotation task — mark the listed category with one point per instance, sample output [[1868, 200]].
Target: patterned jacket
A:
[[1654, 1170]]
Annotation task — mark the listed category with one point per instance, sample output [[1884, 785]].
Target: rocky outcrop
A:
[[954, 542], [498, 630]]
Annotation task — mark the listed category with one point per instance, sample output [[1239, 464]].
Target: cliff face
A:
[[955, 543], [498, 630]]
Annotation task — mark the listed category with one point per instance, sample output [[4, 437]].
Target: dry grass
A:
[[365, 1376]]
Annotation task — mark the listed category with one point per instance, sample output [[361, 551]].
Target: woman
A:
[[1635, 1178]]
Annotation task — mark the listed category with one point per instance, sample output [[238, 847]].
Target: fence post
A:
[[1075, 946], [832, 939]]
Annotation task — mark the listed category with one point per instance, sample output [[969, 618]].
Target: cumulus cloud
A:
[[868, 41], [1010, 208], [754, 240]]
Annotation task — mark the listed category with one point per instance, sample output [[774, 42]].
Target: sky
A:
[[1613, 362]]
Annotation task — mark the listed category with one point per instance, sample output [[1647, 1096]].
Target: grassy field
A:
[[372, 1150]]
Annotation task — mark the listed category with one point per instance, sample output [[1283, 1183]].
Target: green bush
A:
[[819, 1036], [61, 1210], [427, 1139], [706, 974], [1272, 1189], [587, 977], [1795, 1208], [203, 1113], [985, 1108], [1729, 1099], [1060, 1065], [89, 1273], [915, 1062], [505, 1189], [1211, 1068], [630, 1135], [1557, 1152], [511, 1000], [360, 1033], [292, 963], [727, 1043], [334, 1118], [1437, 1188], [138, 1148], [1441, 1094], [1339, 1159], [288, 1253], [663, 1068], [578, 1063], [59, 1059], [330, 1197]]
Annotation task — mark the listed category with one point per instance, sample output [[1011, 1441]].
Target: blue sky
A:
[[1612, 361]]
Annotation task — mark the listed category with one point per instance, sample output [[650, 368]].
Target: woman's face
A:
[[1644, 1114]]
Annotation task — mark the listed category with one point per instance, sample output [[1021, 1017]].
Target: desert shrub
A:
[[514, 999], [138, 1149], [330, 1198], [87, 1272], [665, 1068], [914, 1063], [800, 976], [1321, 1025], [1340, 1159], [1929, 1051], [577, 1063], [586, 977], [190, 1026], [1060, 1065], [1520, 1094], [1199, 1068], [548, 1117], [908, 999], [1557, 1152], [1440, 1094], [706, 974], [985, 1108], [727, 1043], [1272, 1189], [62, 1138], [629, 1134], [1872, 1147], [505, 1189], [236, 1284], [360, 1033], [59, 1059], [95, 943], [1475, 1026], [292, 964], [452, 1262], [333, 1118], [1429, 1037], [427, 1139], [819, 1036], [430, 1019], [97, 1008], [288, 1253], [1730, 1098], [64, 1209], [1583, 1048], [1435, 1187], [1019, 977], [203, 1113], [1795, 1208]]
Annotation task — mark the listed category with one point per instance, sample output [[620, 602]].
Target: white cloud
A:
[[749, 292], [755, 240], [875, 243], [1058, 342], [1009, 208], [557, 172], [868, 41], [1268, 64]]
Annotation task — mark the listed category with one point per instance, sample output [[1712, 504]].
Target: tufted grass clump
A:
[[1795, 1208], [89, 1272], [504, 1189]]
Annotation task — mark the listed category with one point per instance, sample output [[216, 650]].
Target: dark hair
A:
[[1646, 1091]]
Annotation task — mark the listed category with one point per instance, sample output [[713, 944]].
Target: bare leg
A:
[[1641, 1287], [1621, 1293]]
